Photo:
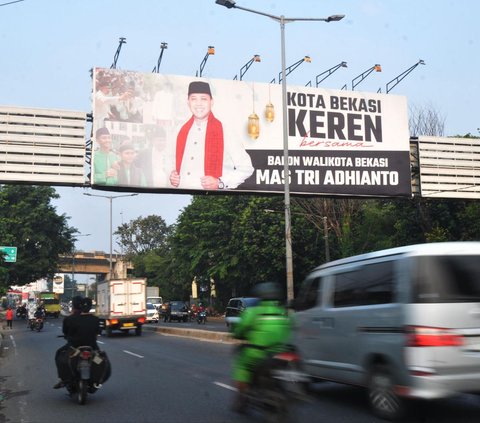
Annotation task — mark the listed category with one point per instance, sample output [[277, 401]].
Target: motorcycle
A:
[[81, 364], [36, 324], [277, 383], [90, 369], [201, 316]]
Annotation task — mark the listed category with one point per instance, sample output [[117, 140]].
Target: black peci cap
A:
[[199, 87]]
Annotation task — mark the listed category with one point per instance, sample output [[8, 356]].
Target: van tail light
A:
[[424, 336], [141, 320]]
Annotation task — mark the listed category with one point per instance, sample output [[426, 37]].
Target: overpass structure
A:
[[95, 262]]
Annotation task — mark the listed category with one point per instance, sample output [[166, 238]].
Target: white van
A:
[[403, 322]]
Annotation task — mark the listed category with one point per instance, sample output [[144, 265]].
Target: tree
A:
[[142, 235], [236, 242], [426, 121], [30, 222]]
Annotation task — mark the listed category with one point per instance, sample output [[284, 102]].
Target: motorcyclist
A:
[[22, 311], [80, 328], [31, 309], [40, 312], [265, 329]]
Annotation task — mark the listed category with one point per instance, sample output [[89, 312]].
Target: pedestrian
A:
[[9, 317]]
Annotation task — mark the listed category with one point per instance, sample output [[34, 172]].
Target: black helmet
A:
[[77, 302], [268, 291], [86, 305]]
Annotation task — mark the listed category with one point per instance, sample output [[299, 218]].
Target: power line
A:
[[11, 2]]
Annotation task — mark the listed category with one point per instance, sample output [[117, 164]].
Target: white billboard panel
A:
[[449, 167], [43, 146], [176, 133]]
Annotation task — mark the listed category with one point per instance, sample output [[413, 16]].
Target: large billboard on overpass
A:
[[170, 133]]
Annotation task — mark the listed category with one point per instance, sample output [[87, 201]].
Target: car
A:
[[401, 322], [177, 310], [236, 306], [152, 313]]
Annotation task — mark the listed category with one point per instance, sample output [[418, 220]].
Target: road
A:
[[160, 378]]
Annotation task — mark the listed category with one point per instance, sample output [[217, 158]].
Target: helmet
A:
[[77, 302], [268, 291], [86, 305]]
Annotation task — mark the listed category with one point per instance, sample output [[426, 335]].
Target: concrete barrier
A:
[[206, 335]]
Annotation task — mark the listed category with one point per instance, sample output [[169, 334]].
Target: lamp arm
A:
[[400, 77], [329, 71], [290, 69], [362, 76]]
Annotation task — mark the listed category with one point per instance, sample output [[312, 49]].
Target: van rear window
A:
[[446, 279]]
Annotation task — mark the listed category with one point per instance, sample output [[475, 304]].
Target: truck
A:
[[51, 302], [121, 305], [153, 291], [153, 296]]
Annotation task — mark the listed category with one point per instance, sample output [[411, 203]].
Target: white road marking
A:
[[223, 385], [14, 344], [131, 353], [100, 342]]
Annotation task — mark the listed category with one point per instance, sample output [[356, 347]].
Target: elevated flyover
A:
[[94, 262]]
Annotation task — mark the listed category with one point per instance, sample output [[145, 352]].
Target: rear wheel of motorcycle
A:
[[82, 392], [277, 409]]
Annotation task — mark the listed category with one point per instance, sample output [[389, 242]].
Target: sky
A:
[[47, 48]]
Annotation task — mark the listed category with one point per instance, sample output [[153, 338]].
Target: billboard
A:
[[58, 284], [167, 133]]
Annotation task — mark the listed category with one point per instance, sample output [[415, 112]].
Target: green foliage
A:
[[235, 241], [239, 241], [142, 235], [29, 222]]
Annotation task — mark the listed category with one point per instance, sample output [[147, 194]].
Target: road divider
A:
[[206, 335]]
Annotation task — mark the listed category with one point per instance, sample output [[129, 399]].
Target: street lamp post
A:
[[282, 20], [110, 198], [73, 259]]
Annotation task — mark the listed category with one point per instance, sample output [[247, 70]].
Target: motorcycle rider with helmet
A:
[[80, 328], [265, 329]]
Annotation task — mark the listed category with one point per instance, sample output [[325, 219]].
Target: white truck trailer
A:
[[121, 305]]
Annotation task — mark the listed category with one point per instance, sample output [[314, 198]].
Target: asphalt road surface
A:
[[164, 378]]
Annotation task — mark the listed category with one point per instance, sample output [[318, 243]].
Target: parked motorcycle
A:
[[277, 383], [202, 316], [90, 369]]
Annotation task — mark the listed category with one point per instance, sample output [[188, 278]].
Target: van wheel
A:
[[381, 394]]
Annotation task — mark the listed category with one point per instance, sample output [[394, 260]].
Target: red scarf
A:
[[213, 146]]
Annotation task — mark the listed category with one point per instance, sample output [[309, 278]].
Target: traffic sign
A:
[[9, 254]]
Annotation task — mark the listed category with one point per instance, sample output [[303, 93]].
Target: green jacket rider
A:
[[265, 328]]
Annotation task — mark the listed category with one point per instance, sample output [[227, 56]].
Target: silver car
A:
[[403, 322]]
